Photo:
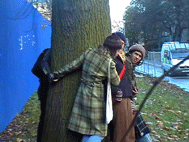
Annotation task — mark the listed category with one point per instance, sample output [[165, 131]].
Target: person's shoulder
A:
[[113, 63], [118, 59], [46, 49], [128, 58], [88, 51]]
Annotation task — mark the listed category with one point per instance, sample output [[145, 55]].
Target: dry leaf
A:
[[160, 123], [166, 128]]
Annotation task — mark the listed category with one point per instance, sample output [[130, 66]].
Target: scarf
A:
[[123, 57]]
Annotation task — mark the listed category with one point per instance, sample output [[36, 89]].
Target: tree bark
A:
[[76, 26]]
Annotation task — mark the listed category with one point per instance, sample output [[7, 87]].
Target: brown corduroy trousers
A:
[[123, 117]]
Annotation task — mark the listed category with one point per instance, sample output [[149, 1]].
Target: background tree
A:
[[156, 21], [44, 7], [175, 17], [132, 26], [77, 25]]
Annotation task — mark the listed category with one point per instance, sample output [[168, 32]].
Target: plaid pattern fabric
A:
[[140, 127], [88, 113]]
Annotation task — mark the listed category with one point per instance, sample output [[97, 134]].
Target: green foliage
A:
[[132, 26], [156, 21]]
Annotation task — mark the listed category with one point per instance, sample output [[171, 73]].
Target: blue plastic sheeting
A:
[[24, 33]]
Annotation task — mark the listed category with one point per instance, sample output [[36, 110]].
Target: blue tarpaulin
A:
[[24, 34]]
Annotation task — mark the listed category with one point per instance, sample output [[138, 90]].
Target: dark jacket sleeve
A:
[[119, 65], [114, 90], [45, 64]]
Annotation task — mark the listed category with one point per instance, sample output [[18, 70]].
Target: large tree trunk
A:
[[77, 25]]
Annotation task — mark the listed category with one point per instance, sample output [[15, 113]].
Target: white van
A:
[[171, 54]]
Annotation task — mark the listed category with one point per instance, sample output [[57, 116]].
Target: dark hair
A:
[[113, 42]]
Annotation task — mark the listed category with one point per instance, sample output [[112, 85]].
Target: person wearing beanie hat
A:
[[142, 133], [121, 35], [138, 47], [88, 111]]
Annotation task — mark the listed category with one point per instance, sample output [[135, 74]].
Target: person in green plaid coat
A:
[[88, 113]]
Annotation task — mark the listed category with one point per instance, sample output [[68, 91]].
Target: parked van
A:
[[171, 54]]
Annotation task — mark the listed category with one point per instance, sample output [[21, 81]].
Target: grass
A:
[[166, 111]]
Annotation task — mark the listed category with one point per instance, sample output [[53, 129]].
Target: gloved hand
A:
[[56, 76], [53, 77]]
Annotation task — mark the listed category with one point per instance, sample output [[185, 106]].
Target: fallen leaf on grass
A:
[[153, 132], [150, 114], [158, 136], [185, 114], [153, 115], [169, 138], [143, 91], [166, 128], [161, 113], [149, 123], [159, 123], [19, 140], [143, 113], [157, 117], [167, 107], [171, 111], [179, 111], [178, 120], [174, 137], [17, 133], [167, 122]]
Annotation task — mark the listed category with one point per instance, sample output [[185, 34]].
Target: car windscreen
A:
[[179, 55]]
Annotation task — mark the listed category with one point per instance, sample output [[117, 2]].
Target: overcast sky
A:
[[117, 8]]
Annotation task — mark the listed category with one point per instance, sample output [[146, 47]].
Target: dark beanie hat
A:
[[121, 35], [138, 47], [113, 42]]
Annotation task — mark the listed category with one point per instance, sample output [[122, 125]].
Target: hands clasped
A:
[[53, 77]]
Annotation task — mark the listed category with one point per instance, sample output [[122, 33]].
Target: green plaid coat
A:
[[88, 113]]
